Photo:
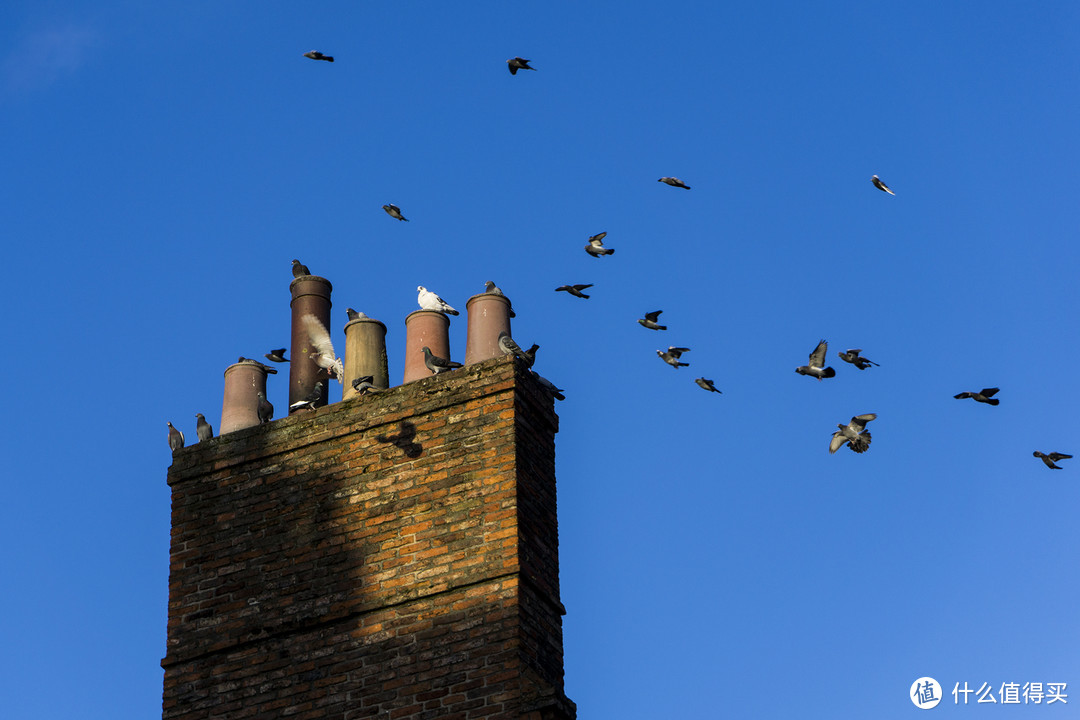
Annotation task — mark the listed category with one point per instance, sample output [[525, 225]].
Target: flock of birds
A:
[[853, 434]]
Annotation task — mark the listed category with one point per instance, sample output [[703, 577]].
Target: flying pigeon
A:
[[854, 434], [276, 355], [853, 357], [395, 212], [518, 63], [575, 290], [817, 361], [674, 182], [316, 55], [299, 269], [203, 428], [596, 246], [269, 370], [176, 438], [265, 409], [671, 357], [650, 319], [365, 384], [310, 400], [880, 185], [983, 396], [437, 364], [324, 355], [491, 288], [430, 301], [354, 315], [1051, 458], [706, 385], [549, 386]]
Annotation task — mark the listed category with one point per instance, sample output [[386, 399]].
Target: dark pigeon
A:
[[437, 364], [277, 355], [299, 269], [309, 402], [706, 385], [364, 385], [265, 410], [530, 355], [203, 428], [880, 185], [518, 63], [395, 212], [815, 368], [549, 386], [854, 434], [354, 315], [650, 319], [596, 246], [674, 182], [575, 290], [983, 396], [672, 355], [1051, 458], [316, 55], [853, 357], [176, 438], [269, 370]]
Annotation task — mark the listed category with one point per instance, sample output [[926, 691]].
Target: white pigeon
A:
[[430, 301], [324, 355]]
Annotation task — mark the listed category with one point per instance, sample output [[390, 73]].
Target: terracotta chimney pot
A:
[[489, 315], [425, 327], [240, 406]]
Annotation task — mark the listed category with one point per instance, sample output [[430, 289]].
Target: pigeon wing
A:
[[817, 358]]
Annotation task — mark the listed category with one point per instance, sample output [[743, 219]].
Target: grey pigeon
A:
[[299, 269], [354, 315], [983, 396], [575, 290], [671, 357], [203, 428], [309, 402], [491, 288], [650, 319], [509, 347], [596, 246], [365, 384], [518, 63], [674, 182], [853, 357], [176, 438], [706, 385], [816, 368], [323, 355], [269, 370], [430, 301], [437, 364], [265, 409], [277, 355], [880, 185], [1051, 458], [854, 434], [395, 212], [316, 55], [549, 386]]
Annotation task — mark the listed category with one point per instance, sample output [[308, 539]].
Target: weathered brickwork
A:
[[389, 556]]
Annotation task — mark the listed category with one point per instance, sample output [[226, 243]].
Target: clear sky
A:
[[163, 162]]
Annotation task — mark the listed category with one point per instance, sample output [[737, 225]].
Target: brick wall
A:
[[389, 556]]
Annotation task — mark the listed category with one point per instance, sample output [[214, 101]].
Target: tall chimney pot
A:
[[365, 354], [310, 296], [489, 316], [429, 328]]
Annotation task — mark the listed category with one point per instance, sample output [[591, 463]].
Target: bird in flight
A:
[[316, 55], [854, 434], [984, 396], [674, 182], [574, 290], [518, 63], [880, 185], [816, 366], [853, 357]]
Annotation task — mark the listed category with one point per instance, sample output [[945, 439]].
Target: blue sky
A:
[[164, 162]]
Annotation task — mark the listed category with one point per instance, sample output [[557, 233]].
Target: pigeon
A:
[[650, 319], [310, 400], [437, 364], [316, 55], [265, 409], [430, 301], [276, 355], [596, 246], [817, 361], [491, 288], [706, 385], [364, 385], [674, 182], [269, 370], [324, 355], [671, 357], [575, 290], [299, 269], [176, 438], [203, 428], [530, 355], [854, 434], [549, 386], [395, 212], [1051, 458], [880, 185], [509, 347], [354, 315], [853, 357], [518, 63], [983, 396]]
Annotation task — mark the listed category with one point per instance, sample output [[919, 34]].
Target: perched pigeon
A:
[[269, 370], [1051, 458], [671, 357], [854, 434], [549, 386], [575, 290], [365, 384], [596, 246], [299, 269], [395, 212], [650, 319], [983, 396], [518, 63], [354, 315], [309, 402], [880, 185], [491, 288], [324, 355], [674, 182], [530, 355], [437, 364], [706, 385], [276, 355], [265, 410], [853, 357], [509, 347], [203, 428], [176, 438], [430, 301], [316, 55], [817, 361]]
